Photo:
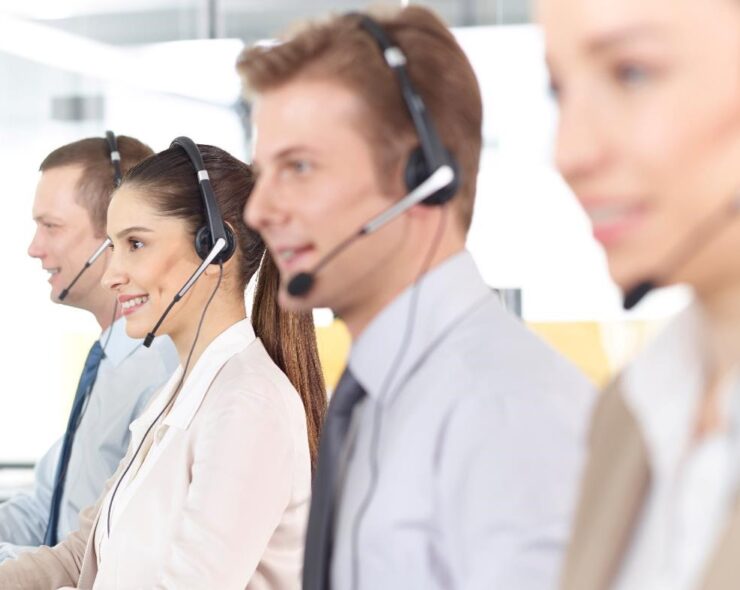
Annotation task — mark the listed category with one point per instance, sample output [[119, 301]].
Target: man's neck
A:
[[106, 312], [359, 317]]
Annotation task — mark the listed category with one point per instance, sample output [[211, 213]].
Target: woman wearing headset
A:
[[649, 140], [214, 490]]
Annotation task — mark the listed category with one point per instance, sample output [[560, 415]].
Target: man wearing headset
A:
[[120, 375], [452, 446]]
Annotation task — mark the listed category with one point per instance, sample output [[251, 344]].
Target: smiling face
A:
[[649, 133], [153, 256], [316, 185], [65, 237]]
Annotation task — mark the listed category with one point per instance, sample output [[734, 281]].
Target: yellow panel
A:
[[597, 349], [580, 342], [75, 346], [334, 343]]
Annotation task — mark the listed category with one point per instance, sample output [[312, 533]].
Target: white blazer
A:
[[221, 500]]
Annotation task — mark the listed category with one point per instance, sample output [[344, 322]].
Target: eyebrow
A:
[[46, 217], [130, 230], [601, 42], [291, 151], [282, 154]]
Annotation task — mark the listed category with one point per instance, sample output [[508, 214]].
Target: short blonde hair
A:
[[339, 50]]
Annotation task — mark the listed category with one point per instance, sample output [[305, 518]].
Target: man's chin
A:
[[291, 303], [54, 296]]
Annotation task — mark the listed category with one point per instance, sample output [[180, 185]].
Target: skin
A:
[[153, 256], [317, 183], [649, 141], [64, 239]]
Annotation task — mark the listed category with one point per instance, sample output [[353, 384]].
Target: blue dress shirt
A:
[[127, 377], [462, 472]]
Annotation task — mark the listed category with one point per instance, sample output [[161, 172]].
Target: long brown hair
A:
[[169, 180]]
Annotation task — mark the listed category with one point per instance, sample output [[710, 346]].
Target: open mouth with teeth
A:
[[53, 272], [288, 256], [131, 305]]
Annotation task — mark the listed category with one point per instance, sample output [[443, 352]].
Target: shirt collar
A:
[[665, 383], [119, 346], [444, 295], [230, 342]]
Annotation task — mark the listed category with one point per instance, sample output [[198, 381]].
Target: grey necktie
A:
[[320, 533]]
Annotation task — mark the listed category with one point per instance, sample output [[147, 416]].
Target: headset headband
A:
[[431, 145], [115, 157], [214, 219]]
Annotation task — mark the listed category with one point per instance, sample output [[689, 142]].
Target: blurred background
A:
[[156, 69]]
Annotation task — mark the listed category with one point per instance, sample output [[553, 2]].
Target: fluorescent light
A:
[[202, 70]]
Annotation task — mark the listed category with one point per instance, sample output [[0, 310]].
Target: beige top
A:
[[642, 505], [220, 501]]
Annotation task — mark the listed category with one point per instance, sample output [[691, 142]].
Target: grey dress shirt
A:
[[128, 376], [471, 479]]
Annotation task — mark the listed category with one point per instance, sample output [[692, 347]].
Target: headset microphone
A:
[[689, 248], [87, 265], [115, 159], [215, 251], [302, 283]]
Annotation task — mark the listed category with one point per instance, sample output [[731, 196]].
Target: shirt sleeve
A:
[[241, 485], [24, 517], [48, 568], [507, 484]]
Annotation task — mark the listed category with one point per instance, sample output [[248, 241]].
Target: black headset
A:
[[431, 153], [214, 228], [432, 175], [214, 241], [115, 157]]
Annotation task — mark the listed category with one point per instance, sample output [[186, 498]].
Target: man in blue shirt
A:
[[452, 447], [120, 375]]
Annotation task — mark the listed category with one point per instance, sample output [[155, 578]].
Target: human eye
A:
[[134, 244], [300, 166], [554, 88], [631, 74]]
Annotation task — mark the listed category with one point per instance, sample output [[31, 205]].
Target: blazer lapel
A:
[[613, 490], [162, 435]]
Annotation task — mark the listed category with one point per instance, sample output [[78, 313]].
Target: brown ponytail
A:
[[288, 337], [290, 340]]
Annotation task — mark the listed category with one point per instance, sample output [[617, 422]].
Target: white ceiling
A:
[[147, 21]]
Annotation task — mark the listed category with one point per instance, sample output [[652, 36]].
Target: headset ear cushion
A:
[[417, 172], [203, 244]]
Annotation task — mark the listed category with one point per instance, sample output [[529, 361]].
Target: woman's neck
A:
[[721, 346], [722, 313], [219, 317]]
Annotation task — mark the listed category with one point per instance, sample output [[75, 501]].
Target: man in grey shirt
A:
[[120, 376], [452, 447]]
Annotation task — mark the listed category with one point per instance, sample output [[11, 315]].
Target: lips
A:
[[53, 272], [612, 220], [132, 303], [292, 257]]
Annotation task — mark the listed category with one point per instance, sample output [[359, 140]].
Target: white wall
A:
[[528, 231]]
